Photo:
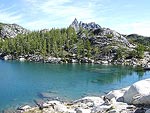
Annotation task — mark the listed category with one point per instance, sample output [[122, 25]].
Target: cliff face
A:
[[11, 30]]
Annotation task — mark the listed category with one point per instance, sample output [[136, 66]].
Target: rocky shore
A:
[[144, 62], [132, 99]]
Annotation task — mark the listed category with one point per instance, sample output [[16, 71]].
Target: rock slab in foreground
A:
[[138, 93]]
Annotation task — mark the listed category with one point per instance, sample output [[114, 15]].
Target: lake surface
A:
[[21, 83]]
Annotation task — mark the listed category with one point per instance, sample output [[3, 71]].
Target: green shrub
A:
[[109, 35]]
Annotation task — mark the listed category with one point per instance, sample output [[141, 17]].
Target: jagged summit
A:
[[102, 36], [77, 25], [75, 22]]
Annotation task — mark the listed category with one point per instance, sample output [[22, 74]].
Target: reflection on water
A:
[[110, 74]]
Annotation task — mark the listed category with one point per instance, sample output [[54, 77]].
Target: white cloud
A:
[[141, 28], [36, 24], [9, 16], [40, 14], [61, 13]]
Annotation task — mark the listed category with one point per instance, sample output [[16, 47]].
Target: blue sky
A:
[[124, 16]]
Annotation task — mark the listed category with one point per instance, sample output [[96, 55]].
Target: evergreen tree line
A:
[[62, 43], [56, 42]]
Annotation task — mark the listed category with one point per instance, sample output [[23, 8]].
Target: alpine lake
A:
[[23, 82]]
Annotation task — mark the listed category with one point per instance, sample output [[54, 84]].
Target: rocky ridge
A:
[[11, 30], [103, 36], [112, 41], [77, 25]]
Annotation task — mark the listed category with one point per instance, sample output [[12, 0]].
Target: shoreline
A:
[[143, 63], [132, 99]]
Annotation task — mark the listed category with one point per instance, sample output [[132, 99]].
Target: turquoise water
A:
[[21, 83]]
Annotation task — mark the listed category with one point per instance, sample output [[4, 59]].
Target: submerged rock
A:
[[9, 111], [49, 96], [45, 95]]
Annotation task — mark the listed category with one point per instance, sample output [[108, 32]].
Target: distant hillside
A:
[[138, 39], [11, 30]]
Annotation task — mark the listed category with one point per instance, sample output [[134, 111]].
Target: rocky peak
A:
[[102, 36], [11, 30], [77, 25], [75, 22]]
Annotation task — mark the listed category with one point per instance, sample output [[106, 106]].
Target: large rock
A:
[[35, 58], [53, 60], [120, 107], [101, 109], [24, 108], [8, 57], [74, 60], [87, 100], [138, 93], [104, 62], [60, 107], [22, 59], [81, 110], [147, 111], [117, 94]]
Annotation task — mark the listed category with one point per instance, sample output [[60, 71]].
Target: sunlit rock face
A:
[[138, 93], [77, 25], [11, 30]]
